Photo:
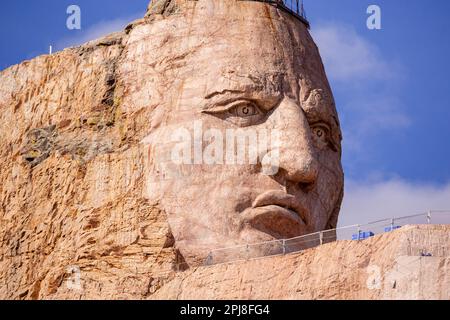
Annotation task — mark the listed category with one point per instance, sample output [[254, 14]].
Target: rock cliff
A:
[[76, 221], [410, 263], [71, 179]]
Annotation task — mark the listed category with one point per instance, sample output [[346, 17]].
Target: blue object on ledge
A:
[[363, 235], [391, 228]]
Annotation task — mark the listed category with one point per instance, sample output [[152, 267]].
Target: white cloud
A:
[[370, 201], [348, 56], [365, 84], [96, 31]]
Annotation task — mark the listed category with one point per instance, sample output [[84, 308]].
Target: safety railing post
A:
[[284, 246], [359, 232], [392, 224], [209, 259], [248, 251], [321, 237], [429, 216]]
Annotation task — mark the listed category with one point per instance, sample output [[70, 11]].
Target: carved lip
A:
[[278, 214], [281, 199]]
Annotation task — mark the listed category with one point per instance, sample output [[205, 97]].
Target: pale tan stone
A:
[[388, 266], [192, 64], [87, 182]]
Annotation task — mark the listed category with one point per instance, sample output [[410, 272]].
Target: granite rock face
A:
[[410, 263], [206, 71], [71, 181], [95, 203]]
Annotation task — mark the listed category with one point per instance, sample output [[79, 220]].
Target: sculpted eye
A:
[[245, 109], [320, 133], [242, 113], [321, 136]]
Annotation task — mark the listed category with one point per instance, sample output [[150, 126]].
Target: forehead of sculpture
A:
[[216, 46]]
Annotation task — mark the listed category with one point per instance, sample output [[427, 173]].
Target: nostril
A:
[[301, 175], [306, 186]]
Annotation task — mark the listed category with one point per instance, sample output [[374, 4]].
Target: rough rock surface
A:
[[77, 214], [410, 263], [71, 181], [193, 66]]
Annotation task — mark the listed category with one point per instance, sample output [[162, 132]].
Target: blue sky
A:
[[412, 45], [391, 87]]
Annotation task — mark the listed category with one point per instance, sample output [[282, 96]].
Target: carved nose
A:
[[302, 170], [298, 163]]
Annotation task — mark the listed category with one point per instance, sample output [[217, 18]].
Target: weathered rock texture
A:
[[83, 190], [71, 180], [388, 266]]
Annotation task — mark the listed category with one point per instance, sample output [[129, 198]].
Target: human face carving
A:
[[246, 79]]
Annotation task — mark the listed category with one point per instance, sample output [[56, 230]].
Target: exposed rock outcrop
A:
[[410, 263], [79, 214], [71, 181]]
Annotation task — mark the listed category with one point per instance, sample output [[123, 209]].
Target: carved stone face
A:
[[244, 70]]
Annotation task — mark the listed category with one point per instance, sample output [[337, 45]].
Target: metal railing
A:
[[297, 244], [294, 7]]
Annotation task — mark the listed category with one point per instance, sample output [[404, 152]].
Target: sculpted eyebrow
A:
[[222, 98], [226, 91], [257, 95]]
